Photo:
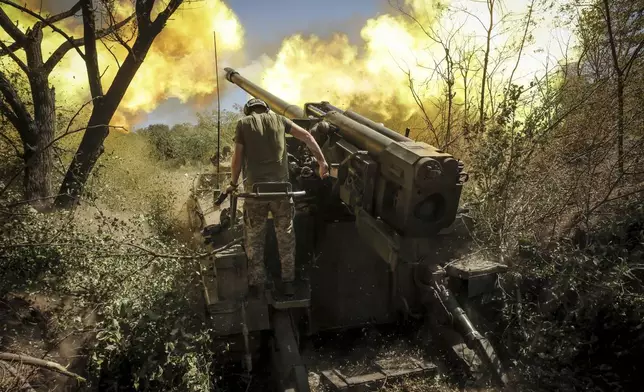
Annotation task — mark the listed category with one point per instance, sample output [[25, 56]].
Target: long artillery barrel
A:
[[411, 186], [361, 135], [380, 128], [292, 111], [276, 104]]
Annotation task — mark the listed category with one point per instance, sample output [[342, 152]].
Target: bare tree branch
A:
[[15, 58], [163, 16], [185, 257], [12, 48], [523, 39], [631, 61], [91, 61], [62, 50], [611, 38], [44, 21], [9, 357], [11, 29], [64, 15], [117, 36], [486, 59], [25, 384], [52, 19], [109, 49], [17, 106]]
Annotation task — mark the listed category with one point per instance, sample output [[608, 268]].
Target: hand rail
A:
[[261, 195]]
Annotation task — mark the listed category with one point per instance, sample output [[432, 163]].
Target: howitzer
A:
[[412, 186], [377, 243]]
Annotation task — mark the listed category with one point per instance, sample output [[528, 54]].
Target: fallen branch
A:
[[24, 383], [56, 367]]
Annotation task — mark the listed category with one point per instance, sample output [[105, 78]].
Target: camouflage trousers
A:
[[255, 218]]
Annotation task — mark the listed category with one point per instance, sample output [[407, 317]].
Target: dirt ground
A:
[[27, 329]]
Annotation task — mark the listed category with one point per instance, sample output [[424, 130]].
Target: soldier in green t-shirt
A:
[[260, 145]]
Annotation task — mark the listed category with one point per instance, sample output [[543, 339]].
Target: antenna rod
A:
[[218, 113]]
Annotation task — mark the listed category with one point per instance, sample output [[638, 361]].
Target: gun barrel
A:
[[360, 135], [275, 103], [376, 127], [380, 128]]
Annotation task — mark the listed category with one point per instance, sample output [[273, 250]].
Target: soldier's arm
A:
[[301, 134], [236, 163]]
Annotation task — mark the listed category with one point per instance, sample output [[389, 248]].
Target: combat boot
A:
[[289, 289]]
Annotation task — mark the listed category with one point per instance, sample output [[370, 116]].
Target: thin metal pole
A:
[[218, 112]]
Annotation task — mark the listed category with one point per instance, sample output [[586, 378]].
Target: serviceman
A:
[[260, 145]]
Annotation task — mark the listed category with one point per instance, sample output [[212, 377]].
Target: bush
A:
[[578, 325], [151, 332]]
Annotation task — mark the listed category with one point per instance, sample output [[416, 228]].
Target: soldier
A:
[[260, 143]]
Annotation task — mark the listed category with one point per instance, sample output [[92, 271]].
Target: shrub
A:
[[188, 144], [578, 325]]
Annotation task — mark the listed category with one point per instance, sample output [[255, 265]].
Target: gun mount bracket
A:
[[478, 274]]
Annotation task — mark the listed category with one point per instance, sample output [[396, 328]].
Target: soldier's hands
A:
[[324, 169], [230, 189]]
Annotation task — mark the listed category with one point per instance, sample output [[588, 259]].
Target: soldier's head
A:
[[255, 106]]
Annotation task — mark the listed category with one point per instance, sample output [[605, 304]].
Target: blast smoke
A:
[[180, 63]]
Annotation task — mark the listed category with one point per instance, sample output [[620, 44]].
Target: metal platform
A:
[[226, 314]]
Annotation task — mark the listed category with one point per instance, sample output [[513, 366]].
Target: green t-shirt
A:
[[264, 141]]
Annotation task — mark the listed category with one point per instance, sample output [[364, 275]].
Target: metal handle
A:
[[260, 195], [257, 195]]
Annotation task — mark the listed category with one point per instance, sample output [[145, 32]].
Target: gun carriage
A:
[[379, 242]]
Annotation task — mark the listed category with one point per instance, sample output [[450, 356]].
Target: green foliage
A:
[[153, 338], [113, 257], [579, 323], [185, 144], [151, 333]]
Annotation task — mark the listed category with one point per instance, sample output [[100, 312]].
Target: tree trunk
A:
[[620, 124], [39, 164], [38, 157], [37, 131], [91, 146], [450, 98], [486, 60], [619, 73]]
